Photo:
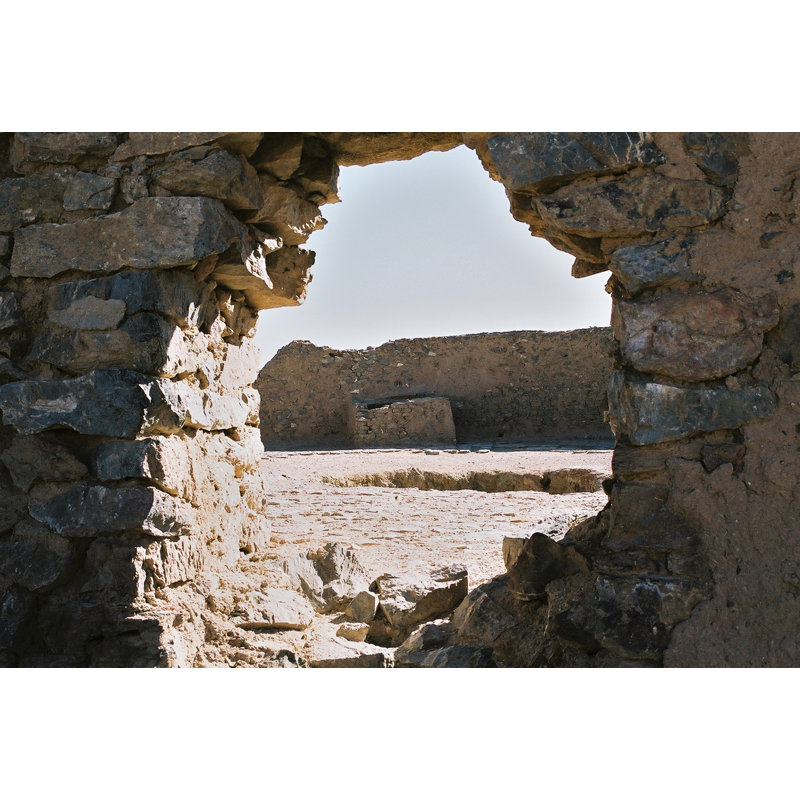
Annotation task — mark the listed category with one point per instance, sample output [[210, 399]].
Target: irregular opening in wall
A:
[[418, 260]]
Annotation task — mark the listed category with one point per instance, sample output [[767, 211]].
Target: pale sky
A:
[[428, 247]]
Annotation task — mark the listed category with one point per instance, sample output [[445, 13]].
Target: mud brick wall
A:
[[524, 385], [421, 421]]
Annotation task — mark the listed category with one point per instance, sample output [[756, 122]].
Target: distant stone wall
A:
[[523, 385]]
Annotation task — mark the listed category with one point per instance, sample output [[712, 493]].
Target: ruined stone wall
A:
[[518, 386], [131, 270], [417, 421]]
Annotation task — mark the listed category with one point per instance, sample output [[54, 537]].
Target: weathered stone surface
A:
[[353, 631], [30, 459], [16, 607], [5, 247], [221, 413], [115, 403], [363, 606], [330, 577], [572, 610], [413, 421], [151, 144], [318, 175], [220, 174], [647, 412], [645, 266], [539, 163], [276, 280], [279, 154], [338, 653], [23, 201], [454, 657], [718, 154], [10, 311], [31, 149], [145, 343], [256, 535], [363, 149], [540, 562], [636, 616], [87, 191], [87, 511], [274, 609], [174, 294], [163, 460], [694, 336], [90, 314], [632, 206], [33, 557], [407, 601], [284, 214], [153, 232], [428, 636]]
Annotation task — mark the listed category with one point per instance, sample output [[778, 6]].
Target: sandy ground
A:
[[408, 530]]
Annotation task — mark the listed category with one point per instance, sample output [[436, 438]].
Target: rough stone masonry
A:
[[132, 267], [515, 386]]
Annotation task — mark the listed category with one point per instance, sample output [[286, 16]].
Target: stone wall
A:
[[416, 421], [132, 267], [519, 386]]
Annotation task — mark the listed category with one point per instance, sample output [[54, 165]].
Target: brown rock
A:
[[32, 149], [279, 154], [36, 198], [694, 336], [150, 144], [221, 175], [284, 214], [540, 562], [632, 206], [374, 148]]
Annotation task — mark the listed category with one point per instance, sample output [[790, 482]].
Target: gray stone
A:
[[33, 557], [10, 311], [363, 606], [645, 266], [87, 191], [153, 232], [16, 609], [717, 154], [284, 214], [174, 294], [151, 144], [353, 631], [36, 198], [116, 403], [483, 616], [274, 609], [632, 206], [647, 412], [5, 246], [407, 601], [330, 577], [88, 511], [90, 314], [221, 175], [694, 336], [430, 636], [162, 460], [455, 657], [539, 163], [60, 148], [30, 459]]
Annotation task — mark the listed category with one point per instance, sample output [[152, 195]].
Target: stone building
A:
[[132, 267]]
